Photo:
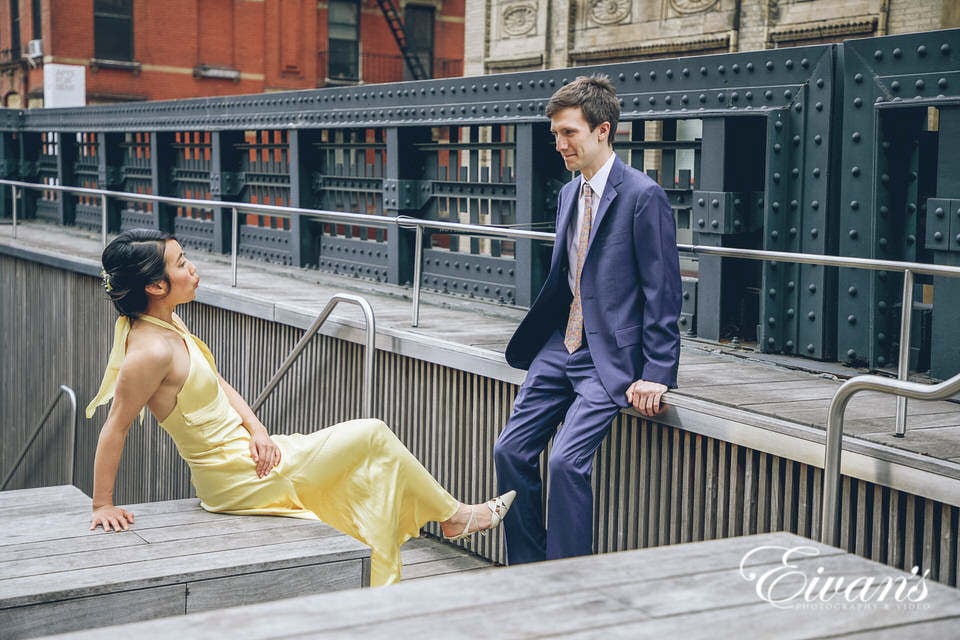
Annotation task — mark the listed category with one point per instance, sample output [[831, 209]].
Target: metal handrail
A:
[[829, 532], [368, 355], [71, 435], [907, 268], [235, 207]]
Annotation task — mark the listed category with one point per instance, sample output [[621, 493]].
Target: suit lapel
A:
[[568, 210], [609, 193]]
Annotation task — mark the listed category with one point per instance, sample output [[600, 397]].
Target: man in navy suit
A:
[[601, 335]]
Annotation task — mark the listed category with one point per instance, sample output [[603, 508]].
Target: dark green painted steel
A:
[[830, 149]]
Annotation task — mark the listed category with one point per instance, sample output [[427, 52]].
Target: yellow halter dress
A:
[[355, 476]]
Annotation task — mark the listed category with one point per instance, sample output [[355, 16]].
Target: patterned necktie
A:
[[574, 335]]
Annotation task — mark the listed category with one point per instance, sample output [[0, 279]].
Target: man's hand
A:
[[645, 397], [110, 516], [264, 452]]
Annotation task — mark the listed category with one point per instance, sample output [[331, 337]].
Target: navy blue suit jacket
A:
[[630, 286]]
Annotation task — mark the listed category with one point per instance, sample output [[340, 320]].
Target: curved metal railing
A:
[[908, 269], [71, 435], [829, 529], [370, 330]]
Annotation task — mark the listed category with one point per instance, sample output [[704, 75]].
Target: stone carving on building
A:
[[692, 6], [605, 12], [518, 19]]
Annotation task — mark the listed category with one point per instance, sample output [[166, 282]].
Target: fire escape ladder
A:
[[389, 10]]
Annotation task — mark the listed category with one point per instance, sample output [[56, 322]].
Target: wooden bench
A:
[[57, 576], [695, 590]]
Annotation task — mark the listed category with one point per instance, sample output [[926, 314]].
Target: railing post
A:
[[14, 210], [234, 241], [903, 364], [104, 219], [417, 275]]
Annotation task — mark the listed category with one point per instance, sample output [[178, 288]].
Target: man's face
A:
[[583, 149]]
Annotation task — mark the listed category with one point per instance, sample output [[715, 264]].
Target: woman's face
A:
[[181, 273]]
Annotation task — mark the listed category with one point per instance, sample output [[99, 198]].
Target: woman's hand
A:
[[265, 453], [110, 516]]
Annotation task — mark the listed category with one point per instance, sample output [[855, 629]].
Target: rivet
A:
[[945, 49], [858, 102], [855, 204], [922, 50], [794, 204], [851, 353], [636, 101], [819, 106], [816, 172], [855, 171], [885, 178], [750, 67], [669, 73], [777, 147], [942, 83], [684, 99], [701, 202], [858, 78], [622, 77], [882, 305], [771, 341], [815, 205], [768, 94], [795, 172], [853, 234], [702, 98], [814, 232], [820, 83], [788, 64], [636, 76], [749, 95], [772, 293], [774, 234], [878, 55], [788, 94], [652, 100], [855, 136], [721, 97], [701, 222], [883, 243], [791, 313], [810, 348], [775, 206], [812, 288], [919, 85], [884, 210], [715, 203], [792, 231], [818, 139], [881, 337], [653, 75], [852, 291], [895, 85], [771, 321], [939, 212], [790, 285], [811, 316], [714, 224], [703, 71], [898, 53], [685, 72], [776, 176], [769, 65], [796, 140], [668, 99]]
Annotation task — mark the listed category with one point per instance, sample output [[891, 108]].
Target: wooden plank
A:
[[66, 546], [16, 592], [254, 588], [97, 611], [20, 502], [261, 540], [693, 589]]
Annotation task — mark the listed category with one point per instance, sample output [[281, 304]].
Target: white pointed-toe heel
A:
[[498, 509]]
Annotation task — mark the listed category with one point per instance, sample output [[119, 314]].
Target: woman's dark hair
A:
[[132, 261]]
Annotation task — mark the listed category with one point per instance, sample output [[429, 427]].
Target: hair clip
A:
[[106, 280]]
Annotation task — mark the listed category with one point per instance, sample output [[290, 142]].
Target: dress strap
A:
[[163, 323], [109, 383]]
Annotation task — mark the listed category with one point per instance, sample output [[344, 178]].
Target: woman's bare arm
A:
[[141, 374], [262, 449]]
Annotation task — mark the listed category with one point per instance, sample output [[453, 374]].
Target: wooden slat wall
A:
[[654, 485]]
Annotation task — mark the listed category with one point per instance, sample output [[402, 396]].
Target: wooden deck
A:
[[57, 576], [699, 590]]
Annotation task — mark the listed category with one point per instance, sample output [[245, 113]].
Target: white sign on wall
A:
[[64, 85]]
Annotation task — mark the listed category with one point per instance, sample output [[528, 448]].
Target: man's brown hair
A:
[[596, 97]]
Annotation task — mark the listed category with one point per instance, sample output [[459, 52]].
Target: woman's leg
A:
[[358, 477]]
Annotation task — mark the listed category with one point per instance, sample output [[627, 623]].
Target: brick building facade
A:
[[536, 34], [156, 50]]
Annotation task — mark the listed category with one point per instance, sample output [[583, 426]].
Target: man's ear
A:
[[603, 131], [158, 288]]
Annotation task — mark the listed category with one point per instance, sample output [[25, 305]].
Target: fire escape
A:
[[400, 35]]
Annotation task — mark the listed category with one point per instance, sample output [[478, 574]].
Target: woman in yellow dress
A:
[[356, 476]]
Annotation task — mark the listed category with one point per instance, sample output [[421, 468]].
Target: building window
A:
[[15, 29], [418, 25], [113, 29], [37, 20], [344, 35]]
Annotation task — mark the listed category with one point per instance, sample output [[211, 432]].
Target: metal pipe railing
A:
[[907, 268], [370, 331], [71, 435], [829, 529]]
